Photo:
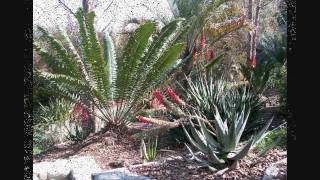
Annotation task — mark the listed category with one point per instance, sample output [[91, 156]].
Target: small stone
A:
[[116, 164], [43, 176]]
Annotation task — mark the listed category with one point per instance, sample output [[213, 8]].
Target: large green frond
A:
[[131, 59]]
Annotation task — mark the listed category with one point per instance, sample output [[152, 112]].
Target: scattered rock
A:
[[273, 171], [76, 168], [118, 174]]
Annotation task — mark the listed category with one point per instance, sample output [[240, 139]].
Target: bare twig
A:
[[108, 6], [66, 8]]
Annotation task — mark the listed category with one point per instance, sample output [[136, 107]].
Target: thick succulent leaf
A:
[[195, 157], [213, 158], [208, 136], [199, 138], [262, 133], [192, 141], [242, 124], [243, 152], [221, 127]]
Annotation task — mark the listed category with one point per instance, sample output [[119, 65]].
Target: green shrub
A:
[[277, 136], [41, 141], [57, 111]]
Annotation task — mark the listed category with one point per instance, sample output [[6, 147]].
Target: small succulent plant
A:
[[149, 151]]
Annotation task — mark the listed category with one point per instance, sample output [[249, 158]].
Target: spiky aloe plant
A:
[[149, 151], [221, 143], [207, 92], [113, 86]]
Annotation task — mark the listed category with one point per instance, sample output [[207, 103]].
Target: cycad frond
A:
[[98, 65], [131, 59], [109, 56], [68, 64]]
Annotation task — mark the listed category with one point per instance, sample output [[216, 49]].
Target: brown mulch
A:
[[110, 150], [182, 169]]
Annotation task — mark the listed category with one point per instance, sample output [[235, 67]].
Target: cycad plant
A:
[[113, 86]]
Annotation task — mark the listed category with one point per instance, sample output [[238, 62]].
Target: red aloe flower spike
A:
[[212, 54], [174, 97], [253, 63], [194, 55], [142, 119], [207, 55], [203, 41], [159, 96]]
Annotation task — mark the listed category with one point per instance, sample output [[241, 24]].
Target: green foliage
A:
[[206, 93], [113, 85], [271, 58], [41, 141], [278, 135], [221, 144], [149, 151], [78, 135], [36, 150], [58, 110]]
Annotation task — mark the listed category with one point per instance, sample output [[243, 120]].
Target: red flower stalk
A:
[[154, 103], [194, 55], [253, 62], [174, 97], [207, 56], [203, 41], [159, 96], [212, 54], [142, 119]]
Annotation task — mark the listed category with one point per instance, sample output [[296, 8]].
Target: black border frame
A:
[[28, 64]]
